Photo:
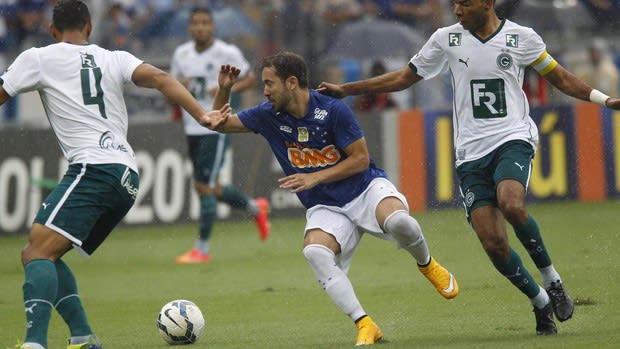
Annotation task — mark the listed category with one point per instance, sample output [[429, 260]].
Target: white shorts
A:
[[348, 223]]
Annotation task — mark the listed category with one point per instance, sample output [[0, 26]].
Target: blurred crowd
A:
[[340, 39]]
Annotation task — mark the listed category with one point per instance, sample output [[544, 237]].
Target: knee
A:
[[404, 228], [514, 211], [318, 254], [30, 252]]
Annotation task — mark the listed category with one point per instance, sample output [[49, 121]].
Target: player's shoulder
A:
[[184, 48], [329, 104], [221, 45], [510, 26]]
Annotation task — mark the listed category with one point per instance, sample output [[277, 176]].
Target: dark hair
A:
[[200, 9], [70, 15], [288, 64]]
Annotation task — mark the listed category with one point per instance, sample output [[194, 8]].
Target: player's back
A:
[[81, 87]]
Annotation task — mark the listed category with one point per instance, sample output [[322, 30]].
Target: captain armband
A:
[[544, 63]]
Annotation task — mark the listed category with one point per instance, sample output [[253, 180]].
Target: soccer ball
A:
[[180, 322]]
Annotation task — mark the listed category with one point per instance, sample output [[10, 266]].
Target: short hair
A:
[[70, 15], [288, 64], [200, 9]]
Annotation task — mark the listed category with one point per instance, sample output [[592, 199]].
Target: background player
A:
[[322, 150], [196, 64], [81, 87], [494, 136]]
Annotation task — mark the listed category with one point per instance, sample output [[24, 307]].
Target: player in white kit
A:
[[494, 136], [196, 64], [81, 88]]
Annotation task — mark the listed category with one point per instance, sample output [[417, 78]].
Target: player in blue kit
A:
[[322, 150]]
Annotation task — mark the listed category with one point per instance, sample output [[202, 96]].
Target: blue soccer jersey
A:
[[313, 143]]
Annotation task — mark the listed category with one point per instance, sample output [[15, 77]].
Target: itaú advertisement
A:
[[578, 156]]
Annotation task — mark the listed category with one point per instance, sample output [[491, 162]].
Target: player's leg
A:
[[203, 155], [86, 214], [69, 305], [329, 256], [488, 223], [41, 281], [383, 211], [479, 198], [512, 175], [45, 246], [116, 201], [258, 208]]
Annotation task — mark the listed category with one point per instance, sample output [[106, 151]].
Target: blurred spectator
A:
[[33, 24], [604, 12], [600, 69], [378, 8], [115, 28], [424, 15], [335, 13], [374, 102]]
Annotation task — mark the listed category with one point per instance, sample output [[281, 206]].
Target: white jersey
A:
[[490, 107], [81, 88], [202, 70]]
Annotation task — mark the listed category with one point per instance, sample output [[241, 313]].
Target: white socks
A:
[[541, 299], [333, 280], [406, 230], [549, 275]]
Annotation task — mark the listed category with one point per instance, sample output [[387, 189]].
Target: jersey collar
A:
[[499, 28]]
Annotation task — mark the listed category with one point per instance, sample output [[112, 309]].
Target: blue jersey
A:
[[313, 143]]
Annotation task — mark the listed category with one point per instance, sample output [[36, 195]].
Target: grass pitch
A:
[[264, 295]]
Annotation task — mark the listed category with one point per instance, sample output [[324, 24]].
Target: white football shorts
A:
[[348, 223]]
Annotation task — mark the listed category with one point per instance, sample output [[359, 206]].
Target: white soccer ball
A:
[[180, 322]]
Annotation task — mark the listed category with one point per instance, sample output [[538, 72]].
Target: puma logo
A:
[[464, 62], [45, 204], [519, 165], [30, 309]]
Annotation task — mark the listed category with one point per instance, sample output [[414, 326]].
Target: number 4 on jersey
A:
[[88, 66]]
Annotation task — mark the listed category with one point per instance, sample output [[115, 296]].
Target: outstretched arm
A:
[[149, 76], [571, 85], [393, 81]]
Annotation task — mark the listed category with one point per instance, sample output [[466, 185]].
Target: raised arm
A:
[[226, 80], [571, 85], [393, 81]]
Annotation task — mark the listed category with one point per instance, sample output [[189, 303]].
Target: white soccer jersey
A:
[[490, 107], [202, 70], [81, 87]]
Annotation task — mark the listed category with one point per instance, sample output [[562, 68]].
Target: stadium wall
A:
[[578, 159]]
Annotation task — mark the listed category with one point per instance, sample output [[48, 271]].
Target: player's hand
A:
[[228, 76], [613, 103], [215, 118], [299, 181], [330, 89]]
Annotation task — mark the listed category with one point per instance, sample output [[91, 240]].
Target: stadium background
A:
[[578, 157]]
